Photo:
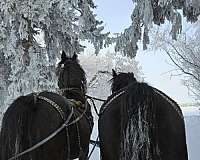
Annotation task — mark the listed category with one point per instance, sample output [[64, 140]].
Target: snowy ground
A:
[[192, 122]]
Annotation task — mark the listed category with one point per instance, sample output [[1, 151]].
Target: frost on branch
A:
[[63, 22], [147, 12]]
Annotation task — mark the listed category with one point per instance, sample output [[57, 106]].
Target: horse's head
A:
[[70, 74], [121, 80]]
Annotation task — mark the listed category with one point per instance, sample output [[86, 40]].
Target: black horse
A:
[[30, 120], [139, 122]]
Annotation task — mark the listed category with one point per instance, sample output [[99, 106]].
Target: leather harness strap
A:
[[74, 103], [55, 106], [62, 114], [64, 125]]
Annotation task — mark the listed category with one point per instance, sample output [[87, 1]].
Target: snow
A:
[[192, 124], [191, 111], [96, 154]]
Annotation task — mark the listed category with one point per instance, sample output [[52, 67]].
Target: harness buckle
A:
[[75, 103]]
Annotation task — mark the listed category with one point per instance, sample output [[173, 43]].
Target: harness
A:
[[77, 90], [107, 103], [173, 104], [78, 103], [75, 104], [65, 125], [81, 93]]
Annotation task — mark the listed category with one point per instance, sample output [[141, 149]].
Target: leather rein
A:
[[64, 125]]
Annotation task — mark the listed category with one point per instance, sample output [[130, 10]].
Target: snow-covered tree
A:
[[64, 24], [184, 53], [148, 12], [99, 71]]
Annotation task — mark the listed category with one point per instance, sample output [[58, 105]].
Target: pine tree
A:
[[64, 24]]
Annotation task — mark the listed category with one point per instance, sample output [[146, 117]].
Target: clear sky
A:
[[156, 66]]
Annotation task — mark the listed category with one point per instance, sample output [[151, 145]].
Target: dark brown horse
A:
[[139, 122], [36, 117]]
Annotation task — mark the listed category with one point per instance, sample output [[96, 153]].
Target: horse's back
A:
[[27, 122], [163, 116], [109, 131], [47, 120], [170, 128]]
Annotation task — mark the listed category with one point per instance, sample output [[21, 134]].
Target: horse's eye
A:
[[62, 66]]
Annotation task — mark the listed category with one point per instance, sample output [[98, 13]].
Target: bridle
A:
[[80, 91], [63, 126], [67, 123], [74, 90], [68, 86]]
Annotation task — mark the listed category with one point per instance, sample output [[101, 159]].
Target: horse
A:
[[139, 122], [48, 125]]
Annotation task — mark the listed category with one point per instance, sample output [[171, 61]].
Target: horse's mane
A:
[[140, 100], [19, 116], [122, 80], [139, 91], [78, 68], [132, 90], [139, 106]]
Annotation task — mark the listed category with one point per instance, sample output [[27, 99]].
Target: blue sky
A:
[[156, 66], [115, 13]]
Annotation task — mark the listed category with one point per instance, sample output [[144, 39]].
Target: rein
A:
[[96, 142], [87, 96], [98, 99], [64, 125], [92, 100]]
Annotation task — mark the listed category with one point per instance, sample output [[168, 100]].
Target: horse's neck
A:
[[76, 95]]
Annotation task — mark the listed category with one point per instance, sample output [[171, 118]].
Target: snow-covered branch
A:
[[184, 53]]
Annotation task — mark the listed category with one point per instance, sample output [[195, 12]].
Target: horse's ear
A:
[[74, 58], [63, 56], [114, 73], [132, 74]]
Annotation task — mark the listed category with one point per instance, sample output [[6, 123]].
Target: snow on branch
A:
[[64, 24], [184, 55], [147, 12]]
